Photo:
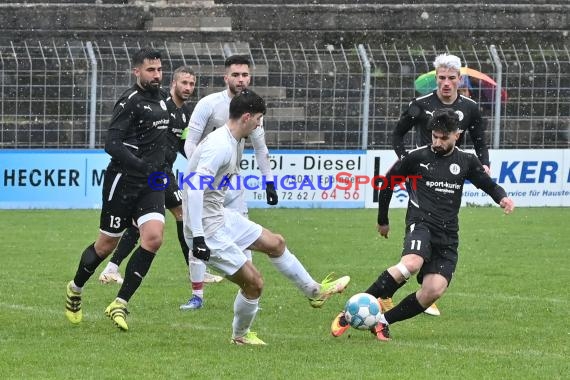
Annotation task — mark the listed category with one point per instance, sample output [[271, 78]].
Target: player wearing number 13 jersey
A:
[[136, 143], [181, 88], [431, 241]]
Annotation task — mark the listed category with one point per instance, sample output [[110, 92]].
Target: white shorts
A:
[[228, 242]]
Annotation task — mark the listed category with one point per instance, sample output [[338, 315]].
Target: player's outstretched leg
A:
[[328, 288]]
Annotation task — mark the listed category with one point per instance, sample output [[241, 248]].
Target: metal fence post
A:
[[93, 96], [366, 96], [498, 88]]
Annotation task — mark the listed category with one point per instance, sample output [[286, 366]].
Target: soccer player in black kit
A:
[[431, 241], [181, 88], [136, 142], [419, 113]]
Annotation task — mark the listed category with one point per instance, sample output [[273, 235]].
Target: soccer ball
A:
[[362, 311]]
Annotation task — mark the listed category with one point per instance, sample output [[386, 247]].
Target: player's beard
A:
[[236, 90], [152, 86], [441, 151]]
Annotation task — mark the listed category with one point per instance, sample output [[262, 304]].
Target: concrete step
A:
[[189, 24]]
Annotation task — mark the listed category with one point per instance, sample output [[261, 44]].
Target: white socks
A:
[[244, 314], [197, 269], [75, 288], [291, 267]]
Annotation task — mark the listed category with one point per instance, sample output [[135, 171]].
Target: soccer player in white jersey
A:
[[219, 235], [211, 113]]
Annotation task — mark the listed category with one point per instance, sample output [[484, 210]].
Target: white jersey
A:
[[211, 113], [214, 162]]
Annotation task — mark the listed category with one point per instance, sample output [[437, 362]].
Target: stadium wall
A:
[[437, 24]]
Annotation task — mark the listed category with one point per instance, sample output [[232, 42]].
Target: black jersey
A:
[[435, 197], [418, 115], [137, 132], [179, 118]]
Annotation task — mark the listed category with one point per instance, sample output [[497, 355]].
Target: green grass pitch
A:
[[505, 315]]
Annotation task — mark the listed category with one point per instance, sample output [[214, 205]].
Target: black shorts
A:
[[125, 200], [172, 194], [426, 242]]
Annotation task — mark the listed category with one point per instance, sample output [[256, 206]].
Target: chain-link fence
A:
[[315, 93]]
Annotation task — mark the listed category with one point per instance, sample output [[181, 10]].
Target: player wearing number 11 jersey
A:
[[431, 241]]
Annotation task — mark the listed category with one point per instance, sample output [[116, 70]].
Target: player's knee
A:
[[412, 263], [278, 243], [151, 241]]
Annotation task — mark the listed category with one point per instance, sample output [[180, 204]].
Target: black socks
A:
[[87, 264], [137, 268], [126, 244], [385, 286]]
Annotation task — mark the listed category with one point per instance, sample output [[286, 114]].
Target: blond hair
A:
[[447, 61]]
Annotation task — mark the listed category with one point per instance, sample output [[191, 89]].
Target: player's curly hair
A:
[[444, 120]]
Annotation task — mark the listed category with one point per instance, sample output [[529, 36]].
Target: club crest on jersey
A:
[[184, 118], [454, 169], [163, 105], [460, 115]]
